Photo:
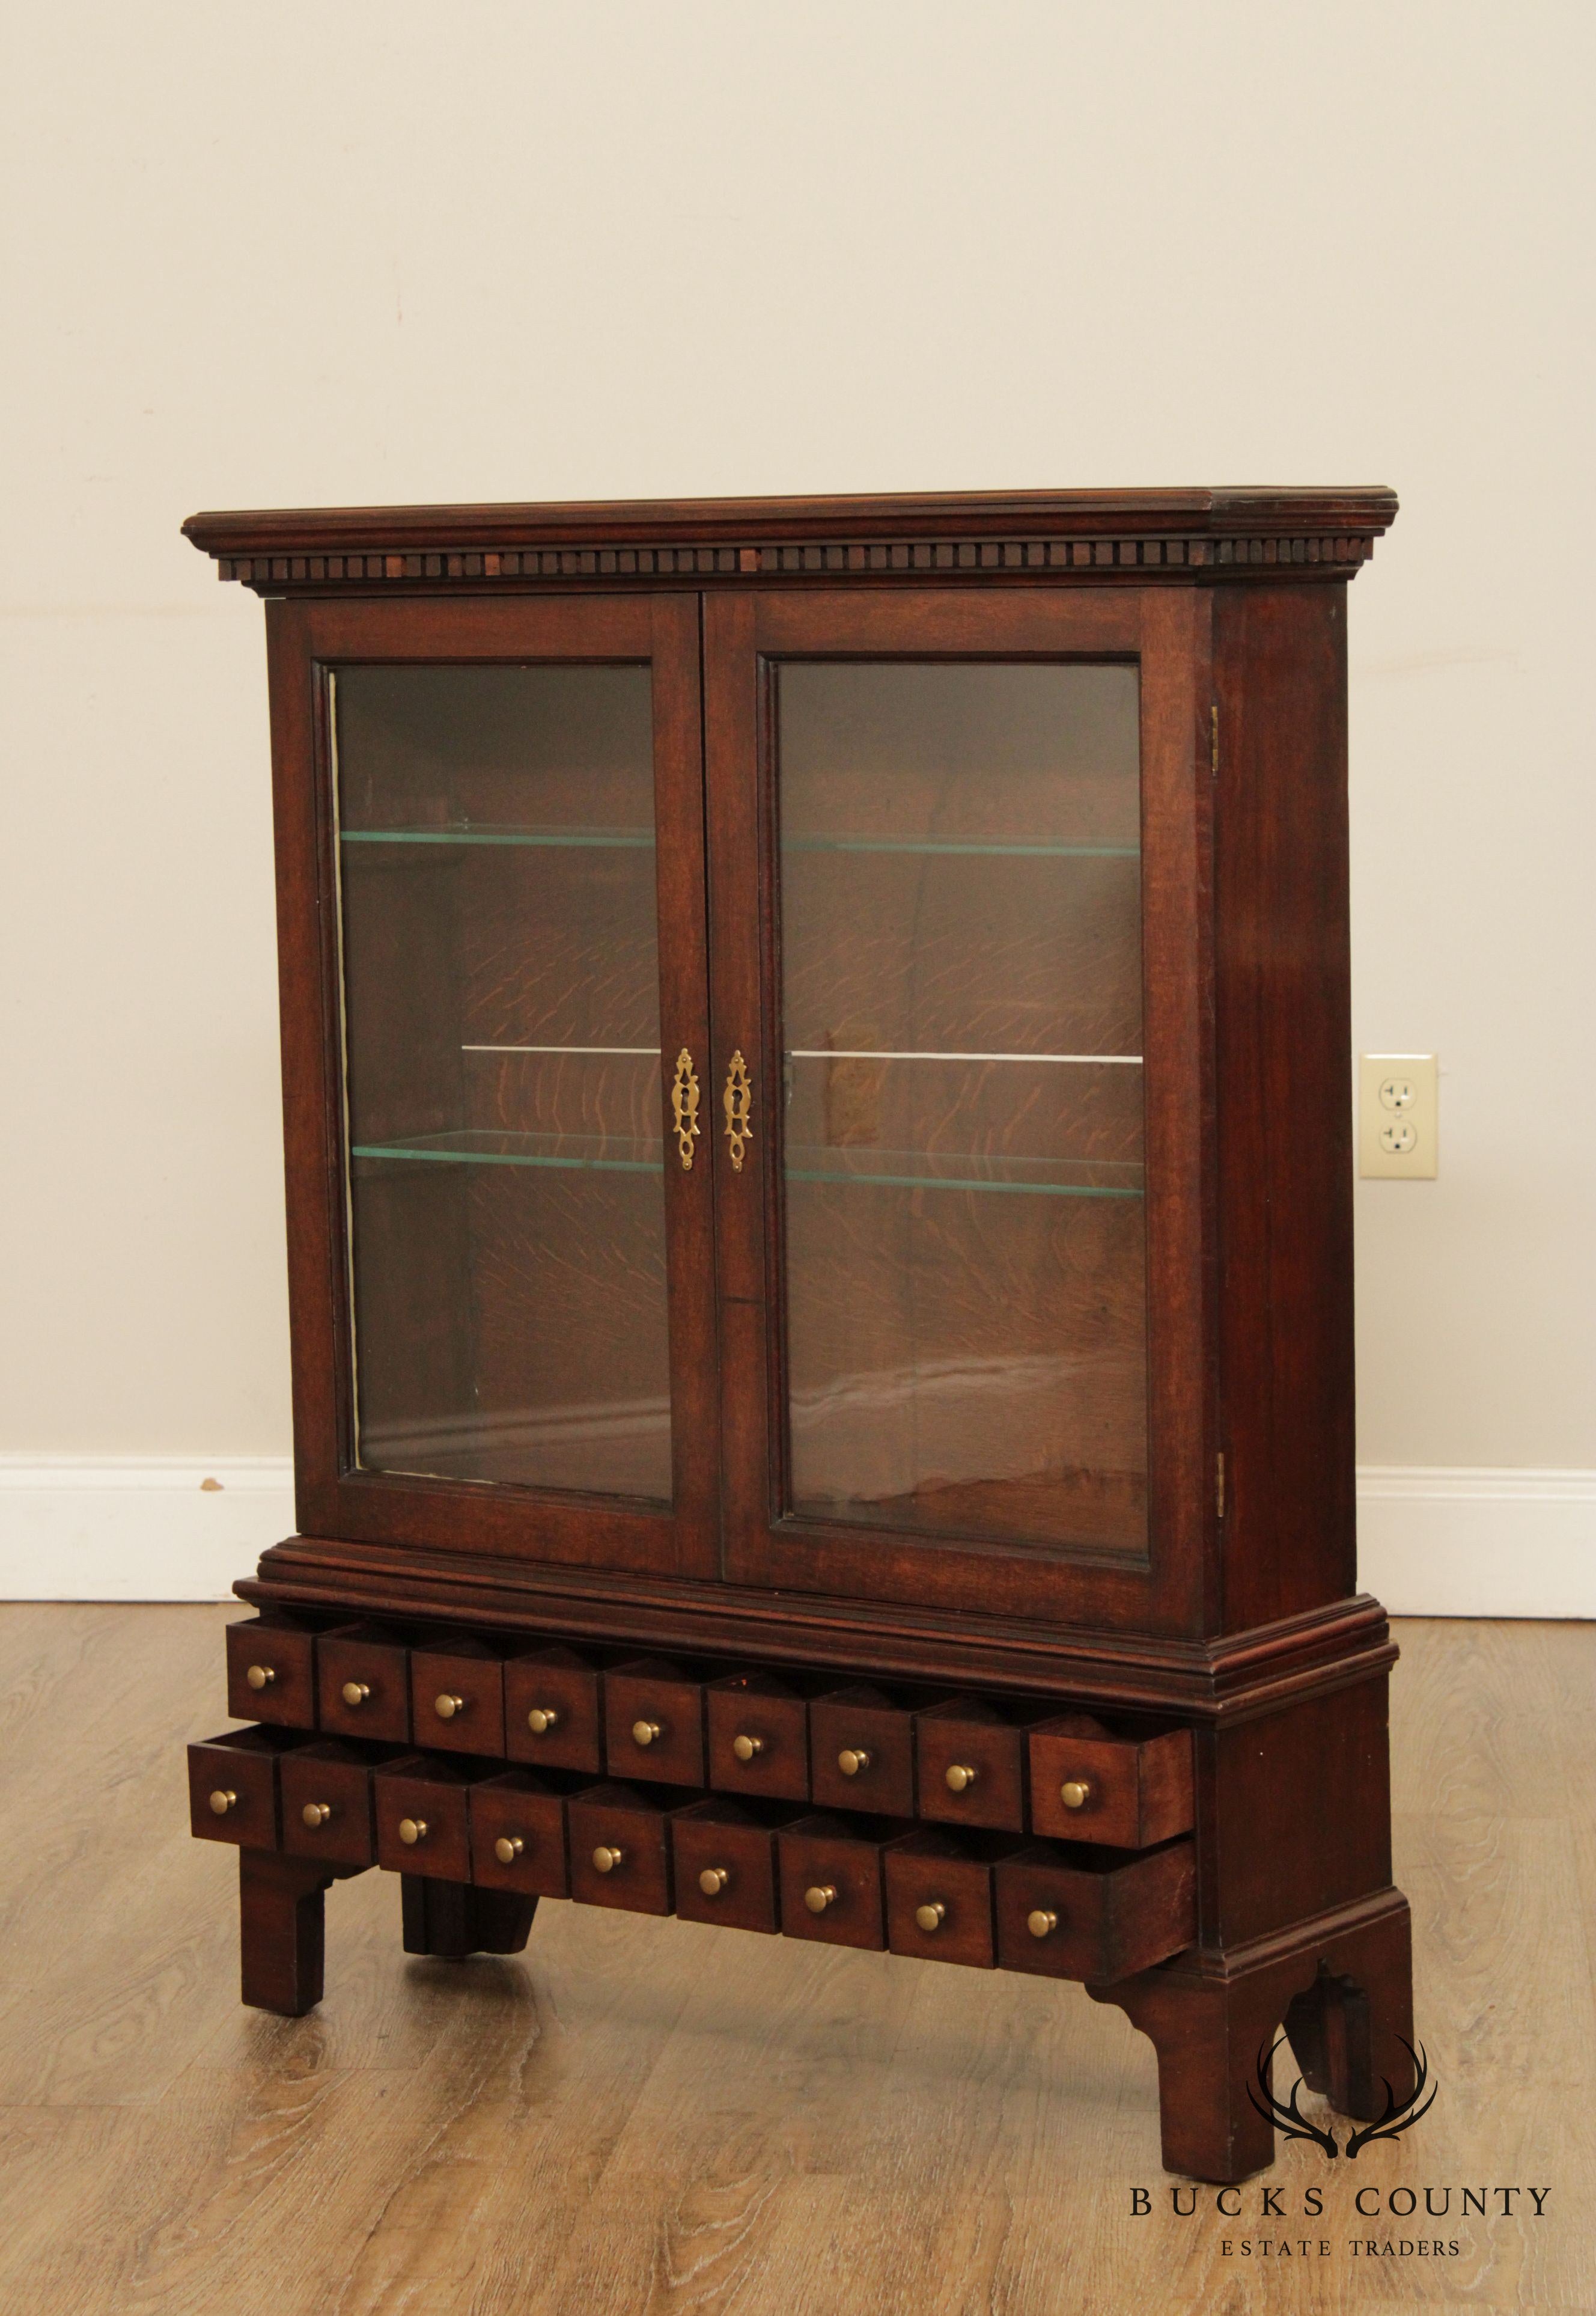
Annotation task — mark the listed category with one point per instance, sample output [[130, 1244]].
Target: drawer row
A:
[[963, 1760], [981, 1898]]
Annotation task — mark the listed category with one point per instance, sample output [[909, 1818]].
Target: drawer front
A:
[[862, 1755], [233, 1790], [363, 1688], [633, 1840], [939, 1906], [1125, 1791], [422, 1824], [271, 1672], [552, 1716], [971, 1765], [724, 1870], [518, 1837], [1099, 1923], [831, 1885], [326, 1808], [758, 1735], [653, 1726], [456, 1700]]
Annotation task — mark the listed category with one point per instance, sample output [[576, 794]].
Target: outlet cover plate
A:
[[1398, 1119]]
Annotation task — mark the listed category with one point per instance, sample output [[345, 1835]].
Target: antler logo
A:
[[1400, 2114]]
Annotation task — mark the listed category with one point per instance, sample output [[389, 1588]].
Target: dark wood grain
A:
[[952, 1876], [451, 1920], [653, 1722], [363, 1683], [1074, 1912], [524, 1811], [456, 1695], [1138, 1789], [281, 1932], [725, 1859], [563, 1683], [757, 1710]]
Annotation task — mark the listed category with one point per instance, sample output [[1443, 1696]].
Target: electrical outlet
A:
[[1397, 1117]]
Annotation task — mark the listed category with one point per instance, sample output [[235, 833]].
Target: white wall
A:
[[288, 254]]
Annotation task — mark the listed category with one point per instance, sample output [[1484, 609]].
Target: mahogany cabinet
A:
[[816, 1051]]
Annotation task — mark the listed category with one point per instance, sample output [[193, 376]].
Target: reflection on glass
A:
[[962, 994], [496, 856]]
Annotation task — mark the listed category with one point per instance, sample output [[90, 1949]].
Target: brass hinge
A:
[[1213, 741], [1219, 1485]]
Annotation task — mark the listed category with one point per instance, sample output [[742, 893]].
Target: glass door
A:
[[954, 1092], [519, 1000]]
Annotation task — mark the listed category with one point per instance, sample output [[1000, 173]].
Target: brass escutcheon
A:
[[684, 1104], [739, 1102]]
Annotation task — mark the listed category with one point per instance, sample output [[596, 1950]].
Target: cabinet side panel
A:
[[1283, 1043]]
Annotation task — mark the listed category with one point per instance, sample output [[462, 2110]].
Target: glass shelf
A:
[[617, 1154], [919, 1170], [960, 845], [1055, 1177], [636, 840]]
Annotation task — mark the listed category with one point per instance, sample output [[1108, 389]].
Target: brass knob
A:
[[445, 1706], [541, 1719], [412, 1829], [851, 1759], [931, 1915], [1043, 1923], [959, 1777], [260, 1676], [1075, 1793], [315, 1813], [714, 1880], [606, 1858], [822, 1895], [508, 1848], [222, 1802], [745, 1748], [354, 1692], [645, 1732]]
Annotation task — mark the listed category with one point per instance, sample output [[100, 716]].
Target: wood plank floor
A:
[[650, 2117]]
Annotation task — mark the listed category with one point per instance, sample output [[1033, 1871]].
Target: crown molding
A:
[[1195, 536]]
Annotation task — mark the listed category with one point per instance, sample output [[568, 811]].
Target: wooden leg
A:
[[1346, 2002], [453, 1920], [280, 1931]]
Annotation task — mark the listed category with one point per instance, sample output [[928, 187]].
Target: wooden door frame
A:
[[1166, 630], [333, 1498]]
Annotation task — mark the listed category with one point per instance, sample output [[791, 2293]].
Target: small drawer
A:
[[419, 1807], [233, 1787], [363, 1684], [517, 1835], [758, 1735], [620, 1848], [326, 1801], [969, 1757], [271, 1669], [552, 1716], [653, 1723], [726, 1861], [1127, 1788], [831, 1873], [861, 1751], [939, 1895], [1084, 1912], [456, 1695]]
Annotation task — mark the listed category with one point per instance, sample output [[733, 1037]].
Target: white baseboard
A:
[[138, 1527], [1432, 1542]]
